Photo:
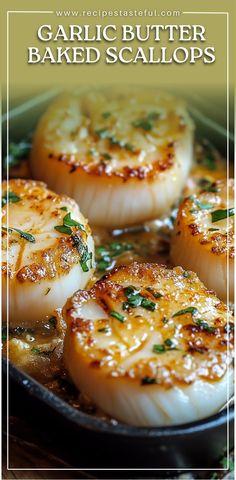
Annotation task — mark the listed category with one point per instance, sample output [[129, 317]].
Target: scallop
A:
[[47, 251], [150, 346], [203, 239], [124, 154]]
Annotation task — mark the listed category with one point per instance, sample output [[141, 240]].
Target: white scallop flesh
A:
[[203, 239], [150, 346], [123, 154], [41, 266]]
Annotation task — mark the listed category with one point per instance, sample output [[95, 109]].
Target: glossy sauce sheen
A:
[[39, 351]]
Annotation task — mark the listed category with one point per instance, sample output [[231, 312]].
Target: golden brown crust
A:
[[218, 239], [102, 168], [51, 254], [195, 345], [137, 139]]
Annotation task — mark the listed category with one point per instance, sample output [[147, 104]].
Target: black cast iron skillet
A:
[[87, 442]]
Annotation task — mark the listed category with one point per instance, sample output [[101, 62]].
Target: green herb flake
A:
[[153, 115], [9, 197], [192, 310], [63, 229], [148, 381], [208, 160], [204, 325], [27, 236], [106, 114], [218, 215], [65, 209], [102, 133], [158, 348], [204, 205], [4, 334], [207, 186], [148, 305], [70, 222], [146, 123], [186, 274], [47, 291], [17, 152], [227, 464], [103, 330], [106, 156], [53, 322], [105, 254], [143, 123], [118, 316], [85, 255], [154, 292], [213, 229], [169, 343], [135, 299], [35, 350]]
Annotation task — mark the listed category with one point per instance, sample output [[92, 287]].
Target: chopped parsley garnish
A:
[[104, 133], [158, 348], [35, 350], [46, 353], [146, 123], [85, 255], [192, 310], [106, 114], [105, 254], [161, 348], [65, 209], [52, 322], [68, 222], [207, 186], [143, 123], [4, 334], [203, 205], [154, 292], [117, 315], [218, 215], [9, 197], [227, 463], [17, 152], [204, 325], [122, 144], [208, 160], [106, 156], [213, 229], [27, 236], [63, 229], [103, 330], [148, 381], [135, 299]]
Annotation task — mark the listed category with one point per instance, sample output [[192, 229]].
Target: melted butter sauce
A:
[[39, 352]]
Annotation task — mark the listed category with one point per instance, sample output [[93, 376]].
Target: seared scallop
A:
[[123, 154], [150, 345], [47, 251], [203, 239]]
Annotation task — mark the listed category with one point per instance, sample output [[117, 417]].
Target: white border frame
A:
[[227, 163]]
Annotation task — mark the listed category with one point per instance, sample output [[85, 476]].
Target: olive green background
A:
[[25, 79]]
